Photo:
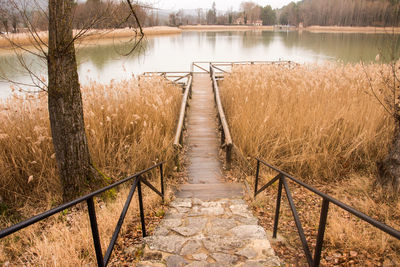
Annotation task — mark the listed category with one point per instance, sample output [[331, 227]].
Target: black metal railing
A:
[[326, 200], [137, 178]]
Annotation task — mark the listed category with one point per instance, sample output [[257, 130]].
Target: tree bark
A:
[[65, 105], [389, 168]]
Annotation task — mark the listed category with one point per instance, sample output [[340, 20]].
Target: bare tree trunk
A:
[[65, 104], [389, 168]]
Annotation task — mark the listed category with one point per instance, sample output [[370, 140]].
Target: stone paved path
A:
[[200, 233], [208, 224]]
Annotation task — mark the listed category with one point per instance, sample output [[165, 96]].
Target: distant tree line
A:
[[309, 12], [341, 13], [249, 12]]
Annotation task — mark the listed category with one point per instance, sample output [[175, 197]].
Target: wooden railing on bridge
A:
[[226, 66], [226, 139], [182, 114], [178, 77]]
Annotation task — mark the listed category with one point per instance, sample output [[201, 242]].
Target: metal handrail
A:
[[101, 261], [182, 114], [326, 200], [226, 139]]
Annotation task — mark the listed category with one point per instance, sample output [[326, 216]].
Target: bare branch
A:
[[139, 25], [374, 93]]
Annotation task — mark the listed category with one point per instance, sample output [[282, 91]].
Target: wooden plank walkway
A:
[[204, 166]]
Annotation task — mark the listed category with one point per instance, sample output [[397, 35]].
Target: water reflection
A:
[[346, 47], [101, 54], [105, 61]]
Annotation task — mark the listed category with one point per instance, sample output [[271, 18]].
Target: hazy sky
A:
[[220, 4]]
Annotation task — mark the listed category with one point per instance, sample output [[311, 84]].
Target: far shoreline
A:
[[93, 37], [226, 27], [315, 29], [351, 29]]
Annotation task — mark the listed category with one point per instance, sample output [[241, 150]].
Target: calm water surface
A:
[[104, 62]]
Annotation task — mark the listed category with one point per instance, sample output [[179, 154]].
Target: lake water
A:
[[104, 62]]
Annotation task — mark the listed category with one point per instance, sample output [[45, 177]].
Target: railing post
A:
[[176, 159], [278, 207], [256, 181], [95, 232], [222, 133], [181, 136], [228, 156], [190, 86], [321, 231], [139, 186], [162, 182]]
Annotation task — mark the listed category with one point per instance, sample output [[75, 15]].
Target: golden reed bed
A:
[[322, 124], [129, 127]]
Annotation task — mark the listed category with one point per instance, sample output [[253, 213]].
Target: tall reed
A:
[[323, 124], [129, 128], [318, 122]]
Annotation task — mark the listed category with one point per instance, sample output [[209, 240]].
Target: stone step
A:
[[223, 232], [210, 191]]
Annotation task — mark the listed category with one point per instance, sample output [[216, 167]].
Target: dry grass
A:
[[349, 29], [25, 39], [21, 39], [316, 122], [157, 30], [129, 127], [128, 33], [321, 124]]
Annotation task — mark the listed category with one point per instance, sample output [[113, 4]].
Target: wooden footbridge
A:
[[208, 224]]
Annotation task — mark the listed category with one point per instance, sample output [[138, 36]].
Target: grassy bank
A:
[[321, 124], [128, 33], [130, 126], [25, 39]]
